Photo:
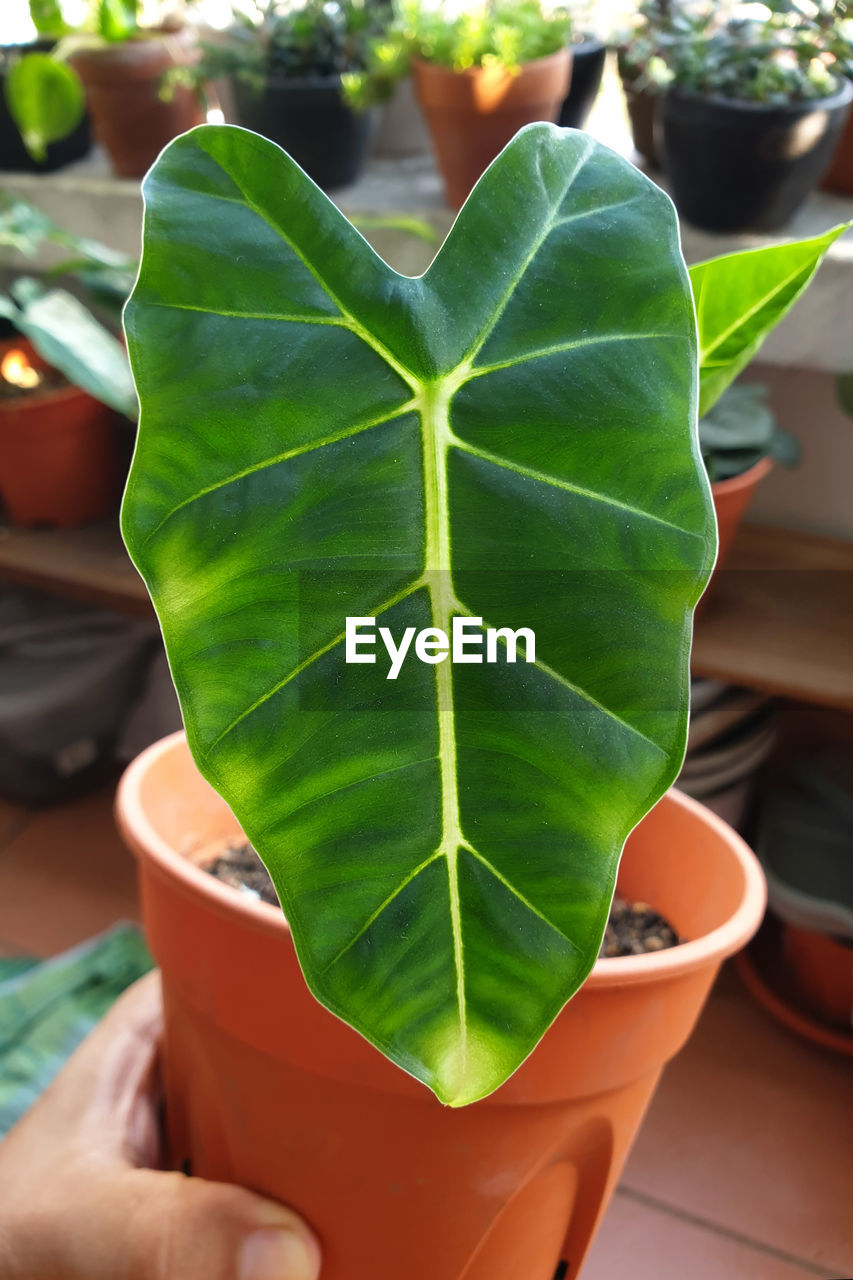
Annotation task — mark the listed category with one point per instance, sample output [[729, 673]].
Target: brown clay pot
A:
[[839, 175], [822, 969], [123, 83], [265, 1088], [473, 114], [58, 454], [731, 499]]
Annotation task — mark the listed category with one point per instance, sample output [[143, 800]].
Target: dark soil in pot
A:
[[14, 157], [310, 119], [633, 929], [588, 57], [747, 166]]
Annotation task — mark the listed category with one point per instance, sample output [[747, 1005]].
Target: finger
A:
[[104, 1090], [157, 1226]]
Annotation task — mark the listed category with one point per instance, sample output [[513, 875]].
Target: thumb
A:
[[147, 1225]]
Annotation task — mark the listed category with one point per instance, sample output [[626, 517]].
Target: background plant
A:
[[781, 51], [44, 94], [63, 330], [294, 39], [504, 33]]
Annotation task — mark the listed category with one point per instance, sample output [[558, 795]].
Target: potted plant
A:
[[641, 52], [752, 114], [63, 377], [14, 156], [445, 841], [308, 75], [482, 73], [115, 67]]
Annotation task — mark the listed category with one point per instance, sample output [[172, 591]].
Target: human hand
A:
[[81, 1197]]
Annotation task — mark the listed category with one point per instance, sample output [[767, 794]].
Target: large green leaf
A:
[[510, 437], [741, 297]]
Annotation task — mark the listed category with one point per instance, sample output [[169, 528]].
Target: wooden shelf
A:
[[779, 617], [88, 564]]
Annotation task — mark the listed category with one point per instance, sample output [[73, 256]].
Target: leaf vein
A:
[[542, 477], [383, 906], [307, 662], [525, 901], [311, 447]]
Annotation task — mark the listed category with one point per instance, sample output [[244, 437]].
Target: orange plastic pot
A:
[[822, 969], [473, 114], [265, 1088], [123, 85], [58, 454], [731, 499]]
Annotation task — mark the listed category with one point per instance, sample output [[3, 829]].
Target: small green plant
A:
[[504, 33], [741, 429], [61, 328], [44, 94], [787, 51], [644, 48], [275, 41]]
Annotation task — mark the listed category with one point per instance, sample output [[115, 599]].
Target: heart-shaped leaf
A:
[[741, 297], [512, 438]]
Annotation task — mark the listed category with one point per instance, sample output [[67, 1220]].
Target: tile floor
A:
[[742, 1171]]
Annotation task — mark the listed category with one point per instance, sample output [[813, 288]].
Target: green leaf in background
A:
[[45, 99], [741, 297], [68, 337], [117, 20], [47, 19], [510, 437]]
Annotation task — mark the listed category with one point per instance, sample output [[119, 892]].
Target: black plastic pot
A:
[[311, 121], [14, 157], [587, 69], [747, 166]]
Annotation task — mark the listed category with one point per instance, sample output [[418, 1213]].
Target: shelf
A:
[[779, 618], [88, 564]]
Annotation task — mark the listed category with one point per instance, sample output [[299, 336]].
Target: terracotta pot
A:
[[839, 175], [822, 969], [267, 1089], [123, 83], [473, 114], [731, 499], [58, 454]]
